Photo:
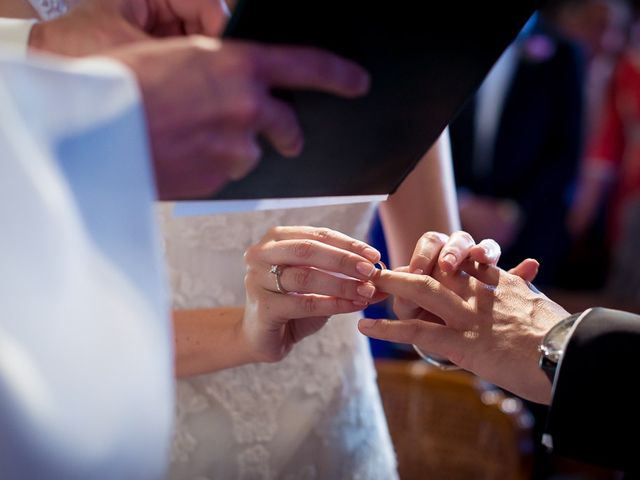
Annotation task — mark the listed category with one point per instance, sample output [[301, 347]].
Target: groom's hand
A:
[[94, 26], [208, 100], [492, 323], [438, 254]]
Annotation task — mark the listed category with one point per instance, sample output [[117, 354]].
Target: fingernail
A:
[[418, 271], [366, 323], [367, 290], [449, 259], [366, 269], [372, 254], [359, 303]]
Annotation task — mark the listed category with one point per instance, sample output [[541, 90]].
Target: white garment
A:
[[14, 34], [316, 414], [85, 344]]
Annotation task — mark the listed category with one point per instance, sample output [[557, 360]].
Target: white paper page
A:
[[212, 207]]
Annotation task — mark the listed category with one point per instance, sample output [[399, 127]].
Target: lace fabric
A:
[[316, 414]]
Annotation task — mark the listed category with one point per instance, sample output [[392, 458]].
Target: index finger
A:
[[426, 292], [328, 236], [312, 69]]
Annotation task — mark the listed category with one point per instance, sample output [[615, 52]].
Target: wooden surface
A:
[[451, 426]]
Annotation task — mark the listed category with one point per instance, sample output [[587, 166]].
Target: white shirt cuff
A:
[[14, 34]]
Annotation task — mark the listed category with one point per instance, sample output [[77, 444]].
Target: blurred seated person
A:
[[516, 147], [612, 171]]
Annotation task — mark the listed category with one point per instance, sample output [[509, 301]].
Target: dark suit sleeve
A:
[[595, 411]]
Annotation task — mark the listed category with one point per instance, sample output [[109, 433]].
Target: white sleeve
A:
[[86, 370], [14, 34]]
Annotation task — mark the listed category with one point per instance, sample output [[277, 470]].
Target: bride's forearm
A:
[[425, 201], [208, 340]]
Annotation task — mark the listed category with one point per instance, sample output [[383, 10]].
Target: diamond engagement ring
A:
[[277, 271]]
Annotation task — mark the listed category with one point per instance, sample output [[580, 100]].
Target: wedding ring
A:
[[277, 271], [441, 363], [381, 264]]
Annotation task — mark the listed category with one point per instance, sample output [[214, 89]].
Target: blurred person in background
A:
[[516, 148], [611, 174], [600, 28]]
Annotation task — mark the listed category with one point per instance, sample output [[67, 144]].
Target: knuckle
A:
[[422, 258], [309, 305], [466, 236], [303, 249], [413, 331], [344, 289], [248, 109], [428, 283], [251, 254], [490, 242], [273, 232], [508, 283], [251, 281], [241, 60], [435, 237], [338, 305], [343, 260], [356, 245], [323, 234]]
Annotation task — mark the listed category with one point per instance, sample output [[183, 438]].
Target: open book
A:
[[426, 58]]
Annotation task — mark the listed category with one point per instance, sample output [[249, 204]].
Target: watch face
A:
[[556, 339]]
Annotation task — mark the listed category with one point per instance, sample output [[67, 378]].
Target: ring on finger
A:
[[381, 265], [277, 271]]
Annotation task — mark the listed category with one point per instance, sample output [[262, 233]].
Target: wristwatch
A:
[[554, 343], [441, 363]]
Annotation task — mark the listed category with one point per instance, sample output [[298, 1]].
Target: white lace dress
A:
[[315, 415]]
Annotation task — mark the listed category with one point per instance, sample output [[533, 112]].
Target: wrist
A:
[[245, 350], [208, 340], [553, 345]]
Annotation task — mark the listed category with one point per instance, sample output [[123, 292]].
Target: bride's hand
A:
[[274, 321]]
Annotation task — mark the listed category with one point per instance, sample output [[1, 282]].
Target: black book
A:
[[425, 57]]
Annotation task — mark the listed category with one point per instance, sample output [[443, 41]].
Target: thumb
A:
[[527, 269]]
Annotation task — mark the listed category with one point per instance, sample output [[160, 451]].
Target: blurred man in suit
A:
[[516, 148]]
